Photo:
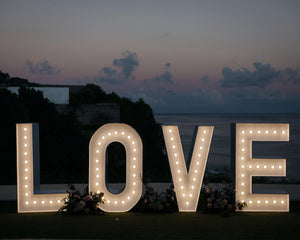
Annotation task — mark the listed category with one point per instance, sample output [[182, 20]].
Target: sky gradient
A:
[[180, 56]]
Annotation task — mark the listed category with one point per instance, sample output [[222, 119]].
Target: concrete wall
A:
[[57, 95]]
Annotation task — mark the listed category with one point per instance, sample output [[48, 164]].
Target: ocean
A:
[[219, 158]]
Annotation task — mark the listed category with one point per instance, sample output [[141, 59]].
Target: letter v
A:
[[187, 183]]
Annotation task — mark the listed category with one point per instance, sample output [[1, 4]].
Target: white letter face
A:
[[246, 166], [187, 184], [28, 201], [132, 142]]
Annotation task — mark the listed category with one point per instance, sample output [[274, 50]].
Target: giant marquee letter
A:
[[187, 183], [122, 133], [246, 166], [28, 180]]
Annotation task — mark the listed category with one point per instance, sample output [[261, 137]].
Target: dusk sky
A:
[[180, 56]]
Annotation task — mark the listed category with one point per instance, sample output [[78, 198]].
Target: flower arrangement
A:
[[220, 201], [87, 203], [158, 203]]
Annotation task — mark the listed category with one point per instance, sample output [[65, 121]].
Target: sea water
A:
[[219, 158]]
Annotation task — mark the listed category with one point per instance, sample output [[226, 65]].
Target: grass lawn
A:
[[149, 226]]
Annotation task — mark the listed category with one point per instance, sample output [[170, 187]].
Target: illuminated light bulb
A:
[[133, 192], [109, 134], [123, 202], [194, 179], [99, 192], [133, 142], [243, 184], [204, 131], [187, 203], [173, 146], [257, 166], [177, 162], [134, 158], [97, 151], [97, 176], [25, 129], [58, 201], [26, 178], [191, 195], [123, 133], [243, 132], [172, 138], [44, 202], [25, 145], [170, 130], [251, 131], [196, 171], [25, 137], [108, 201], [26, 161], [266, 201], [280, 167], [183, 195], [175, 155], [181, 187], [242, 158], [103, 137], [243, 175], [197, 163], [250, 166], [134, 150], [26, 194], [116, 202], [258, 201], [34, 202], [128, 197], [180, 179], [178, 171], [116, 132], [243, 149], [97, 169], [243, 166], [199, 155], [267, 132], [250, 202], [265, 166], [242, 193], [99, 143], [50, 202], [274, 132], [97, 160], [26, 169], [134, 166], [97, 183], [192, 187], [282, 202], [129, 137], [26, 203], [201, 147], [283, 132], [134, 175], [272, 167], [25, 153], [202, 139], [258, 132], [274, 201], [243, 140], [134, 183], [242, 201]]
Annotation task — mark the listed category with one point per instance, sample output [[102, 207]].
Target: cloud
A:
[[165, 78], [42, 68], [204, 79], [122, 70], [167, 65], [262, 76]]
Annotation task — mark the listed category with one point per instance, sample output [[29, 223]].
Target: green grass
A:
[[149, 226]]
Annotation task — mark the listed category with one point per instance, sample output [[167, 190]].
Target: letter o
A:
[[130, 139]]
